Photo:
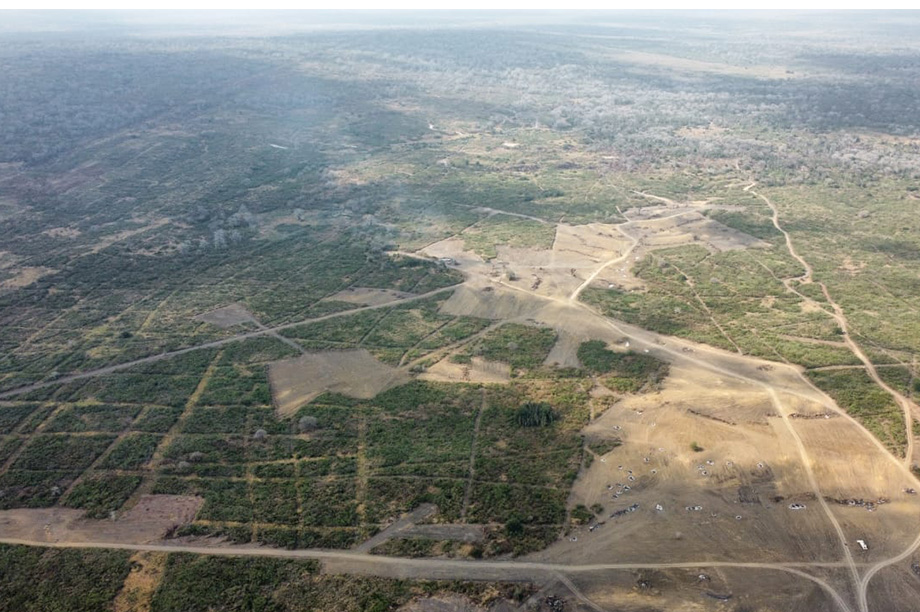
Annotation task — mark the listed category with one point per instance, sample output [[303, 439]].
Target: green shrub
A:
[[535, 414], [62, 452], [630, 371], [92, 417], [132, 452], [10, 416], [67, 580], [101, 494], [520, 346]]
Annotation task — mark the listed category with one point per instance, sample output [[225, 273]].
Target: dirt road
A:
[[495, 568]]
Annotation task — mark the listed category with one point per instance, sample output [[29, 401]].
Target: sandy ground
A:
[[453, 248], [459, 533], [62, 232], [687, 66], [107, 241], [147, 521], [228, 316], [751, 465], [25, 277], [596, 252], [701, 589], [895, 588], [849, 475], [477, 371], [576, 252], [367, 296], [455, 603], [136, 595], [356, 373], [485, 302], [740, 472], [564, 353]]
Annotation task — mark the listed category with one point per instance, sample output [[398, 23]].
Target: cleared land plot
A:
[[355, 373], [367, 296], [148, 520], [739, 470], [478, 370], [228, 316]]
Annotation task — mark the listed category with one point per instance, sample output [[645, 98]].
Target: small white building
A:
[[862, 544]]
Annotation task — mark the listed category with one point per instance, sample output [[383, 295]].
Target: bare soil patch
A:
[[453, 248], [149, 520], [595, 242], [868, 496], [367, 296], [692, 225], [62, 232], [455, 603], [487, 302], [564, 353], [459, 533], [851, 267], [355, 373], [136, 595], [684, 65], [577, 251], [477, 371], [721, 589], [25, 277], [741, 471], [107, 241], [228, 316]]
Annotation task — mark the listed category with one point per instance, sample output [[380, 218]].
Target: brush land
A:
[[460, 313]]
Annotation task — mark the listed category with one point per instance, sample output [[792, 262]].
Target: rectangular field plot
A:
[[102, 493], [62, 452], [33, 489], [131, 452], [12, 415], [93, 417]]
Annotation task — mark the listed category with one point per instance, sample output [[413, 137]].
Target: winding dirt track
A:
[[909, 408]]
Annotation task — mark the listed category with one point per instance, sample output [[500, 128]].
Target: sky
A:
[[455, 4]]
